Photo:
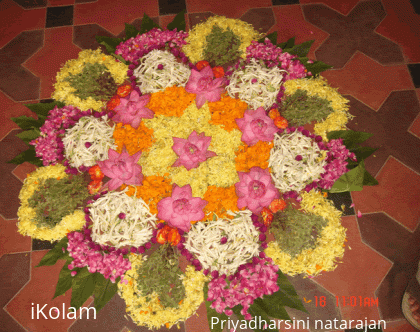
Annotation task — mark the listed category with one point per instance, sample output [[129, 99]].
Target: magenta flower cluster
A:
[[274, 56], [252, 281], [135, 47], [49, 146], [336, 163], [111, 265]]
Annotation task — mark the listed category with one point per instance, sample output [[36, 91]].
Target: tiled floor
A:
[[374, 47]]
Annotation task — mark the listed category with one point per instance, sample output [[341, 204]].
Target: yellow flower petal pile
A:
[[26, 226], [151, 313], [196, 41], [329, 247], [217, 171], [319, 87], [64, 91]]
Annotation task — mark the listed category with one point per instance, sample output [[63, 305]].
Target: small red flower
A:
[[273, 113], [281, 122], [218, 72], [174, 237], [113, 102], [162, 235], [201, 64], [124, 90], [94, 187], [277, 205], [267, 216], [96, 173]]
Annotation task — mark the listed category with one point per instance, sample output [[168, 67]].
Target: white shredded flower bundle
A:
[[120, 220], [153, 79], [88, 141], [287, 172], [204, 241]]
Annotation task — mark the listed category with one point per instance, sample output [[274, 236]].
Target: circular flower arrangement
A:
[[195, 162]]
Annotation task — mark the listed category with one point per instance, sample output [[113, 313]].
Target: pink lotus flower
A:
[[132, 109], [122, 169], [256, 126], [255, 189], [181, 208], [205, 86], [192, 151]]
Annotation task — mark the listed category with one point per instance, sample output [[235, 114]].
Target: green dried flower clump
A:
[[300, 109], [94, 81], [161, 274], [296, 231], [222, 46], [57, 198]]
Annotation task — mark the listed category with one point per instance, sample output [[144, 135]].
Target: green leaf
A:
[[64, 279], [147, 24], [369, 180], [316, 67], [350, 181], [362, 152], [29, 135], [288, 44], [300, 50], [178, 22], [350, 138], [109, 43], [104, 291], [56, 253], [28, 155], [259, 314], [130, 31], [272, 308], [83, 286], [289, 291], [272, 37], [211, 313], [27, 123], [42, 109]]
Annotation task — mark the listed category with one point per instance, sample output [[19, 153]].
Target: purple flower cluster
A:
[[336, 163], [274, 56], [136, 47], [86, 253], [49, 146], [253, 280]]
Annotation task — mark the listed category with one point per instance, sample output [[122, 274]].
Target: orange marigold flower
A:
[[174, 237], [94, 187], [277, 205], [226, 111], [220, 200], [134, 140], [281, 122], [124, 90], [273, 113], [218, 72], [113, 102], [171, 102], [201, 64], [162, 235], [267, 216], [250, 156], [96, 173]]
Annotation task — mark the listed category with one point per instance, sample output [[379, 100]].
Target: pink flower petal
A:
[[359, 214]]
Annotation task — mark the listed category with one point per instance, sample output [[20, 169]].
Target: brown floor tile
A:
[[369, 81], [40, 291], [21, 171], [342, 6], [262, 19], [290, 22], [10, 186], [198, 322], [31, 4], [197, 18], [166, 19], [399, 326], [352, 33], [15, 19], [360, 274], [394, 117], [397, 194], [58, 48], [104, 13], [11, 240], [53, 3], [415, 127], [229, 9], [402, 25]]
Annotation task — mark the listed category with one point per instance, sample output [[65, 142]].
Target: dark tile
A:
[[31, 4], [401, 105], [14, 274], [59, 16], [137, 24], [171, 6], [414, 70], [262, 19], [340, 199], [284, 2], [46, 101], [416, 6], [351, 33], [21, 85], [42, 245], [84, 1], [84, 36], [196, 18]]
